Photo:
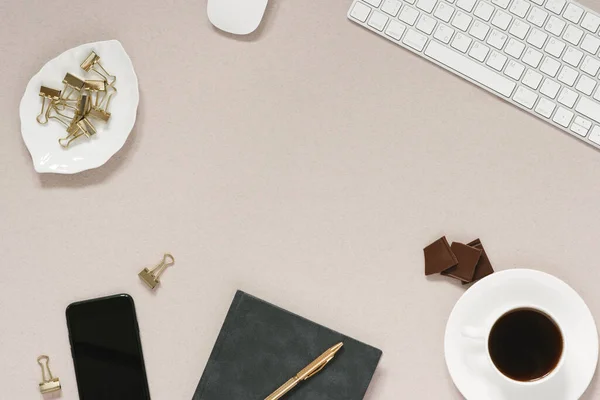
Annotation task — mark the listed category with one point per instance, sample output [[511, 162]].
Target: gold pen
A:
[[308, 371]]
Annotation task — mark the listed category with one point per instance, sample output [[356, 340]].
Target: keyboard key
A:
[[556, 6], [426, 5], [514, 70], [470, 68], [412, 1], [391, 7], [497, 60], [567, 97], [514, 48], [568, 75], [484, 10], [595, 135], [537, 38], [360, 12], [395, 30], [581, 126], [479, 52], [590, 66], [525, 97], [378, 21], [573, 13], [461, 42], [555, 47], [408, 15], [415, 40], [597, 94], [532, 79], [443, 33], [462, 21], [444, 12], [583, 122], [519, 8], [590, 22], [586, 85], [497, 39], [550, 66], [573, 56], [519, 29], [589, 108], [578, 129], [545, 107], [426, 24], [563, 117], [550, 88], [466, 5], [501, 20], [501, 3], [479, 30], [591, 44], [374, 3], [538, 2], [573, 35], [532, 57], [537, 16], [555, 26]]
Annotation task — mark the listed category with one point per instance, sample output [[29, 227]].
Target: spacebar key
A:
[[470, 68]]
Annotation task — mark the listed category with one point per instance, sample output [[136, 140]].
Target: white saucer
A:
[[466, 347], [42, 140]]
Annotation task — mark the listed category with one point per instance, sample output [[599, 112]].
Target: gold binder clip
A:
[[50, 384], [95, 87], [152, 277], [99, 113], [51, 95], [83, 107], [92, 63], [75, 130], [72, 84], [87, 127], [105, 101], [99, 108]]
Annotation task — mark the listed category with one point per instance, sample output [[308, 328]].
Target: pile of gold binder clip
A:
[[79, 102]]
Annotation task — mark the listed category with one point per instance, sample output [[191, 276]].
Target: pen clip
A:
[[320, 368]]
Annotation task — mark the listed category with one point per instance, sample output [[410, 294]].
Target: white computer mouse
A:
[[239, 17]]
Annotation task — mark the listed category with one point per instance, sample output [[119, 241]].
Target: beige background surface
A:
[[308, 164]]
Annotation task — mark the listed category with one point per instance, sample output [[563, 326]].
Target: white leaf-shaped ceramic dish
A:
[[84, 153]]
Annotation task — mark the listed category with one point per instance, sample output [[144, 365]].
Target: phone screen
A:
[[106, 347]]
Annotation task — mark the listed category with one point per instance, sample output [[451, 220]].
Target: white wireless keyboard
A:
[[540, 55]]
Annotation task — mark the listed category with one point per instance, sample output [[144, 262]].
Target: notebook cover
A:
[[261, 346]]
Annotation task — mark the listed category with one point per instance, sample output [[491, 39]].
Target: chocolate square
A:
[[468, 257], [484, 266], [438, 257]]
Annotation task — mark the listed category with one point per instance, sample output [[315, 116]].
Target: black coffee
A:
[[525, 344]]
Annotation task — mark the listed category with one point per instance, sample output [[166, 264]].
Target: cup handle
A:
[[474, 333]]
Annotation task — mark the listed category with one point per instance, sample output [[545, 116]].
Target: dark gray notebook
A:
[[261, 346]]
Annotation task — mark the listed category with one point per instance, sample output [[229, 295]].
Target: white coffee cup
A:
[[562, 375], [551, 371], [481, 337]]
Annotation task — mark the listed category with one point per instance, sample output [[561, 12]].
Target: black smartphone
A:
[[106, 348]]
